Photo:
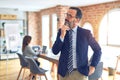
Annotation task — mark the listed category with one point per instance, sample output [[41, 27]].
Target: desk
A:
[[52, 58]]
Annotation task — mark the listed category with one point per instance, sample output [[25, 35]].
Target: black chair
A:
[[98, 72], [34, 69], [24, 65]]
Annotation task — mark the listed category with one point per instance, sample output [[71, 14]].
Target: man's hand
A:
[[63, 30], [91, 70]]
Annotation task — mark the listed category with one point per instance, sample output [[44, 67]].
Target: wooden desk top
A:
[[52, 58]]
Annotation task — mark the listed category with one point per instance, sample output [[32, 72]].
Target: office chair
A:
[[34, 69], [24, 65], [98, 72]]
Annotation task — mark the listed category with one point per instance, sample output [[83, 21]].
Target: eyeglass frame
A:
[[69, 15]]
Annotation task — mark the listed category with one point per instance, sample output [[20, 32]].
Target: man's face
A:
[[71, 17]]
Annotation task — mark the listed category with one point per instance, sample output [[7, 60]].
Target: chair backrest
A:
[[23, 61], [98, 72], [44, 48], [34, 68]]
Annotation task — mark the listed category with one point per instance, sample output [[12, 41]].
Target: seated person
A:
[[27, 50]]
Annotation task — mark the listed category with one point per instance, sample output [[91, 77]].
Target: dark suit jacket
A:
[[84, 39]]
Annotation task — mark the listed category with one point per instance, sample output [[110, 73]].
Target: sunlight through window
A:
[[45, 30]]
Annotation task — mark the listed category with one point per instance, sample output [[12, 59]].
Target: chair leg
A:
[[19, 73], [101, 78], [35, 77], [115, 69], [57, 77], [23, 74], [40, 78], [30, 76], [46, 77], [52, 69]]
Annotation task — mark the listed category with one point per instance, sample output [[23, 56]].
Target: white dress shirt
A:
[[74, 33]]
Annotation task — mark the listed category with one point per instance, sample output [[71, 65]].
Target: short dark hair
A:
[[79, 12]]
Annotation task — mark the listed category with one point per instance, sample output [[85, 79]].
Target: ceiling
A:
[[36, 5]]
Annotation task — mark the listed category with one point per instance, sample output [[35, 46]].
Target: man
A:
[[77, 68]]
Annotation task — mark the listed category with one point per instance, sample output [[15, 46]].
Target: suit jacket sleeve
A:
[[58, 43], [96, 49]]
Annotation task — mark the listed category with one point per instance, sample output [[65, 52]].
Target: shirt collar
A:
[[75, 29]]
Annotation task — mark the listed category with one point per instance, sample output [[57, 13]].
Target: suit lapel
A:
[[79, 37]]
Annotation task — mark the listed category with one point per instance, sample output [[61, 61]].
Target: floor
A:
[[9, 70]]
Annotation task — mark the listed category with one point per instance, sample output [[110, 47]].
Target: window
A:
[[109, 37], [88, 26], [54, 27], [45, 30], [109, 29], [114, 28]]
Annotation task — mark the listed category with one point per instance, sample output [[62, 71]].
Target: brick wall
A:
[[34, 28], [92, 14]]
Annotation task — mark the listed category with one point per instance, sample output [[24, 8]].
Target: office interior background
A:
[[101, 18]]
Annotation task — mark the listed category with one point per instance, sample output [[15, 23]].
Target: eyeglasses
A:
[[69, 15]]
